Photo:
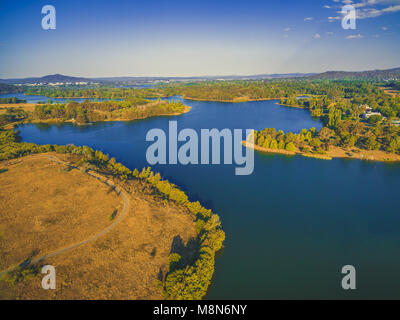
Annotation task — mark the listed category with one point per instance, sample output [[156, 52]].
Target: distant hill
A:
[[199, 78], [389, 74], [54, 78]]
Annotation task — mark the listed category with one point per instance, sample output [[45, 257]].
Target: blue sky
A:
[[185, 38]]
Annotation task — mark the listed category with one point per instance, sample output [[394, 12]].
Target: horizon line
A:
[[199, 76]]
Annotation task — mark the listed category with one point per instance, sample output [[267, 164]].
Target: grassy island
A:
[[87, 111]]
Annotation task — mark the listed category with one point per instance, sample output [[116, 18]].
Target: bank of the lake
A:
[[334, 152]]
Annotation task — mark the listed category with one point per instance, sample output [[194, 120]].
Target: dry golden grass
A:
[[44, 207], [355, 153], [390, 91], [124, 263], [24, 106]]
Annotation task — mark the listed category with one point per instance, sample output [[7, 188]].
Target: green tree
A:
[[274, 144], [290, 147]]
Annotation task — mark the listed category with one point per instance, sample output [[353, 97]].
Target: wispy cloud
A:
[[368, 8], [308, 19], [316, 36], [355, 36], [287, 29]]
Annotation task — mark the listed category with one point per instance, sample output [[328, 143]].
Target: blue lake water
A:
[[291, 225]]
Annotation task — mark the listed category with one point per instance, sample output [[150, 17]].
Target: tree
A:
[[325, 133], [371, 143], [335, 116], [290, 147], [374, 119], [266, 144], [315, 142], [260, 140], [274, 144], [289, 137], [394, 145], [349, 140], [174, 262]]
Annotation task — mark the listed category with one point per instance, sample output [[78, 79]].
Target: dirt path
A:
[[73, 246]]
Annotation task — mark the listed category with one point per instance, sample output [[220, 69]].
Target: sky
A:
[[95, 38]]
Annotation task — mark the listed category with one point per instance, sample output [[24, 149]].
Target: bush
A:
[[290, 147]]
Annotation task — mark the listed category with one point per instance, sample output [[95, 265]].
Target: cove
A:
[[292, 224]]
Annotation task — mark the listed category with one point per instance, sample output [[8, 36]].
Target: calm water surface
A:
[[292, 224]]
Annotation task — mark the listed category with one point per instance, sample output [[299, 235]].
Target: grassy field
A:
[[45, 206], [30, 107]]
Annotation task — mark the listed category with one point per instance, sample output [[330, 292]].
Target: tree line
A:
[[11, 100]]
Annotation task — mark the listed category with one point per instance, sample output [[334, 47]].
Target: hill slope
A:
[[389, 74], [53, 78]]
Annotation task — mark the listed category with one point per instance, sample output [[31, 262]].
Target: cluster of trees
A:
[[305, 141], [131, 109], [347, 134], [11, 100], [95, 93], [349, 96], [343, 133], [13, 115], [8, 88], [342, 115], [189, 281], [11, 147], [393, 85], [272, 89]]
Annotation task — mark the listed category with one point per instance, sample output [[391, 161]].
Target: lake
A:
[[290, 226]]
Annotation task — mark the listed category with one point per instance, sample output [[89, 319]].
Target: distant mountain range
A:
[[59, 78], [53, 78], [388, 74]]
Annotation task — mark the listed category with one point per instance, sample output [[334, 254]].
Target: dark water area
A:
[[291, 225]]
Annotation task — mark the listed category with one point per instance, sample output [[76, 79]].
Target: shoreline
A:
[[335, 152], [238, 100], [268, 150]]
